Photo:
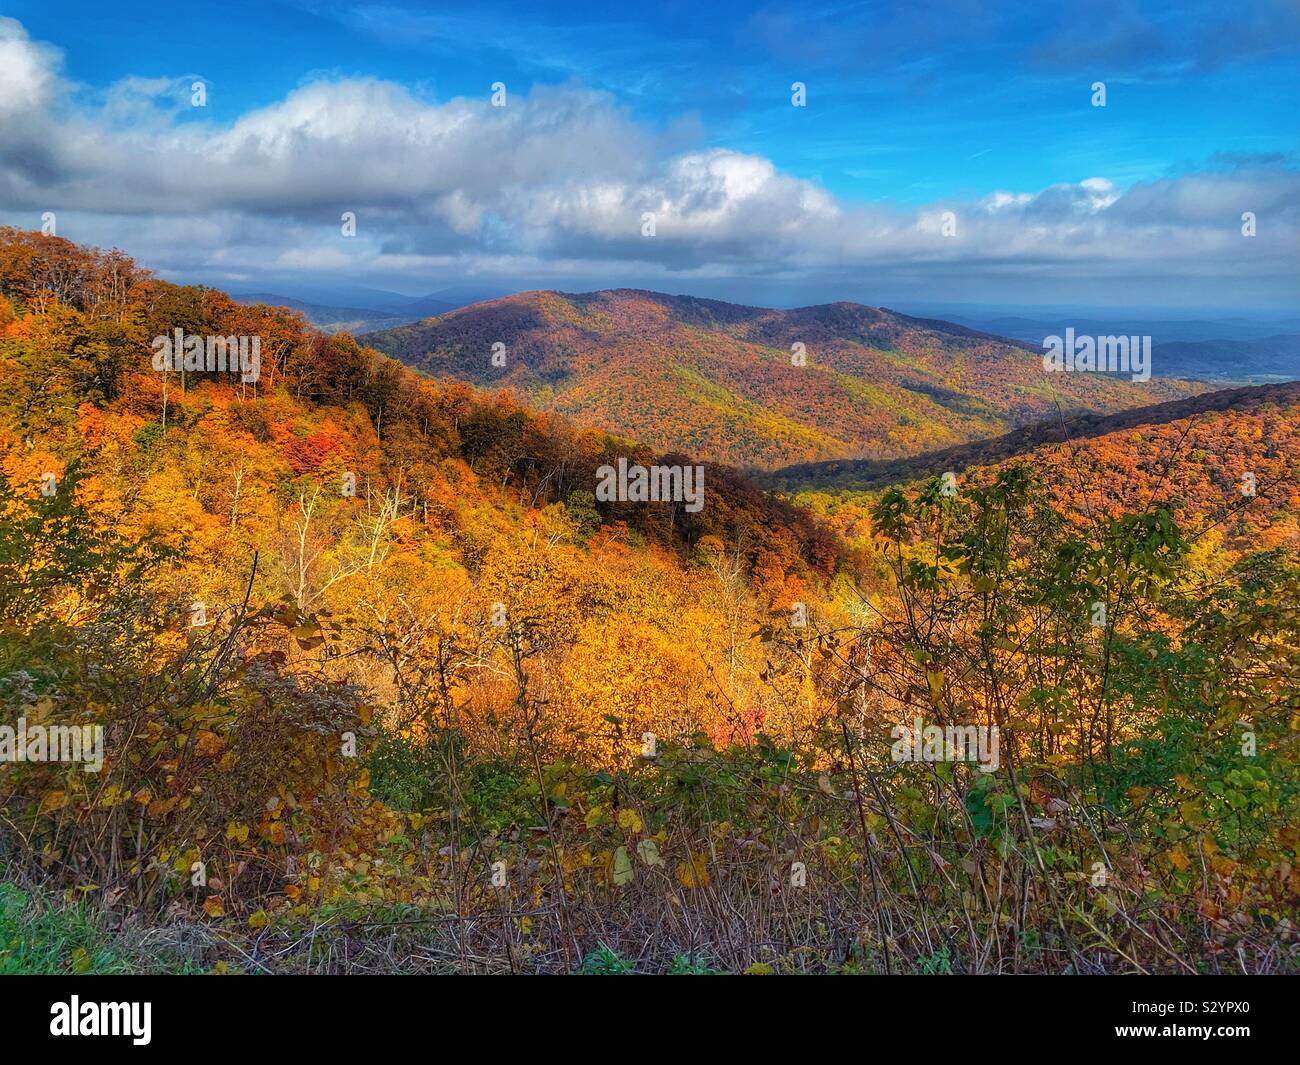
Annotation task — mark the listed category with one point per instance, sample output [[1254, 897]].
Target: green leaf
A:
[[623, 871]]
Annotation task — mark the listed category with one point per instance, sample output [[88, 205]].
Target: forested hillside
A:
[[756, 387], [1225, 464], [1189, 454], [384, 686]]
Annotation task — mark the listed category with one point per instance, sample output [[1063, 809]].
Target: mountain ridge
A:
[[868, 474], [753, 386]]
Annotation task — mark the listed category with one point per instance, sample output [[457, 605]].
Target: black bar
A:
[[299, 1013]]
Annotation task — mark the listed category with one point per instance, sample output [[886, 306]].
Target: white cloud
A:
[[556, 181], [28, 71]]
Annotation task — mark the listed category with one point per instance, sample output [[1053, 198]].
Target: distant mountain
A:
[[1123, 430], [1231, 349], [347, 319], [1033, 327], [464, 295], [339, 294], [722, 381], [1266, 358]]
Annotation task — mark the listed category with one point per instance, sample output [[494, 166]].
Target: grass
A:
[[42, 935]]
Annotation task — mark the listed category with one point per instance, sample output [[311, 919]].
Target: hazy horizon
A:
[[344, 295]]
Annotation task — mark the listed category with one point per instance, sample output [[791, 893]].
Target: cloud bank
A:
[[559, 184]]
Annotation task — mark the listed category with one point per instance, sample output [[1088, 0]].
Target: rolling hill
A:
[[719, 380], [1209, 408], [1225, 462]]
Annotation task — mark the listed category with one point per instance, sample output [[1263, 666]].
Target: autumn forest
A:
[[383, 686]]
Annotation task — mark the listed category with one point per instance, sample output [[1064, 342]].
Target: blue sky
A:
[[912, 110]]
